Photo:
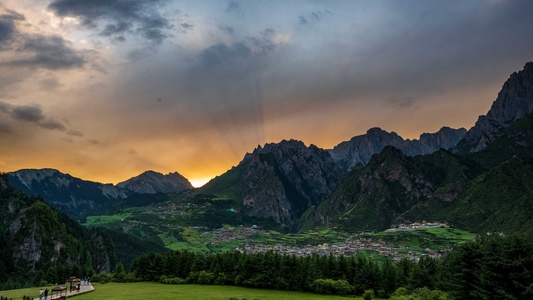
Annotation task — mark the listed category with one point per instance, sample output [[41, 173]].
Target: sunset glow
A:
[[105, 91]]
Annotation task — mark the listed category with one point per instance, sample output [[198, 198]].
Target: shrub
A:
[[368, 295]]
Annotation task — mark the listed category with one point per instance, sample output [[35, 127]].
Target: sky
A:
[[107, 89]]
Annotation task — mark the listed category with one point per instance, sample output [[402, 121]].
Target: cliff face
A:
[[280, 181], [151, 182], [283, 180], [360, 148], [514, 102]]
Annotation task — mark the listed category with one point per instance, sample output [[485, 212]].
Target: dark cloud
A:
[[139, 17], [313, 17], [52, 124], [187, 26], [35, 50], [264, 41], [233, 7], [31, 113], [74, 132], [221, 54], [112, 29], [7, 29], [227, 29], [48, 52]]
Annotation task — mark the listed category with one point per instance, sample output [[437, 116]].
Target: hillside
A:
[[38, 243], [76, 197], [490, 190]]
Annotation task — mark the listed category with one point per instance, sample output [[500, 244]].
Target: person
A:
[[79, 285], [71, 287], [41, 294], [45, 294]]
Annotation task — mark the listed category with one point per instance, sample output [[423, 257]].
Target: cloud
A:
[[34, 50], [31, 113], [233, 7], [313, 17], [74, 132], [51, 83], [137, 17], [7, 26], [48, 52], [52, 124], [225, 28], [222, 54]]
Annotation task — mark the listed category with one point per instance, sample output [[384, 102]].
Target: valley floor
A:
[[152, 290]]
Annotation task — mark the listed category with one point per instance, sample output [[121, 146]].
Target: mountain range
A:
[[80, 198], [373, 181]]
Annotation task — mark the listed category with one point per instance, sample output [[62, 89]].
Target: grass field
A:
[[157, 291], [433, 238]]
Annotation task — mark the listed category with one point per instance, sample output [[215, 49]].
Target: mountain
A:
[[39, 243], [151, 182], [76, 197], [514, 102], [279, 181], [490, 190], [360, 148], [499, 200], [375, 196]]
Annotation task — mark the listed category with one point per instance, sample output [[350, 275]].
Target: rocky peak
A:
[[282, 180], [514, 102], [66, 193], [151, 182], [360, 148]]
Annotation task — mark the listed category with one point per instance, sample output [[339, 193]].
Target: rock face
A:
[[360, 148], [151, 182], [514, 102], [71, 195], [283, 180], [280, 181]]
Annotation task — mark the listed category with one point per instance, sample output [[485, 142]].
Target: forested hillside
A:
[[39, 244]]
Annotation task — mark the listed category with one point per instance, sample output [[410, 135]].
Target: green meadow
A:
[[433, 238], [158, 291]]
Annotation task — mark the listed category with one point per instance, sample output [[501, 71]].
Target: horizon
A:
[[107, 90]]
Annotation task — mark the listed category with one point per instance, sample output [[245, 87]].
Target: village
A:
[[350, 247]]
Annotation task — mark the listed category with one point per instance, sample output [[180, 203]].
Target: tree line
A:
[[491, 267]]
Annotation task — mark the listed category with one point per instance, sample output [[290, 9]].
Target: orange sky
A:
[[105, 92]]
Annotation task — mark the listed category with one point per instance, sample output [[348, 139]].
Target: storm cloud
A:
[[116, 17], [33, 114], [32, 50]]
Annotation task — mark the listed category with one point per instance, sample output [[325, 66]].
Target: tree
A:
[[491, 267], [120, 273]]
